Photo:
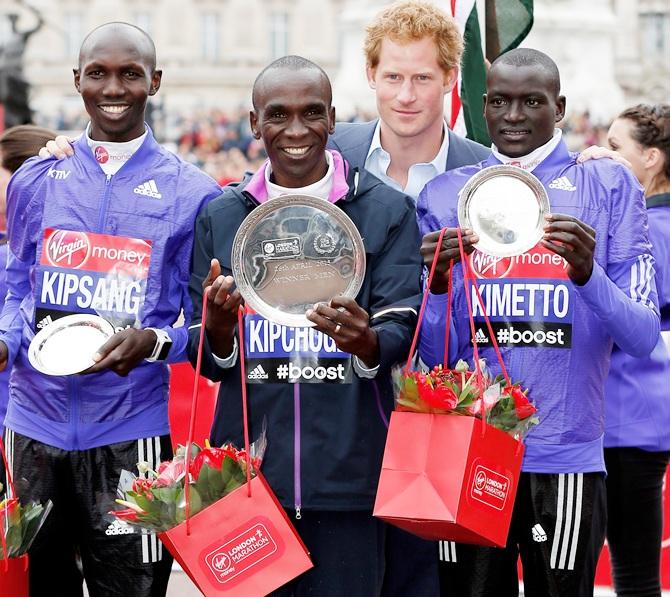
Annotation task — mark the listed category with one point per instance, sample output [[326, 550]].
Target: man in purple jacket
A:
[[555, 311], [107, 231]]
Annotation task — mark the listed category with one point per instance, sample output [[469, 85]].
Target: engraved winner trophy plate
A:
[[294, 251], [505, 206]]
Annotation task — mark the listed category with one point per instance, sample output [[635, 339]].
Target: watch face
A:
[[165, 350]]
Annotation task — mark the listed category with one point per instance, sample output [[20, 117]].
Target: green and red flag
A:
[[507, 24]]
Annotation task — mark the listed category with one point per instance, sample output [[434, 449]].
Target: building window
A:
[[143, 21], [210, 36], [656, 35], [74, 33], [278, 34]]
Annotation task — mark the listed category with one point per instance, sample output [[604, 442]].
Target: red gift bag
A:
[[13, 571], [14, 576], [447, 476], [244, 544]]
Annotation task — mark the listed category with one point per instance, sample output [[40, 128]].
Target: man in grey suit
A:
[[412, 52]]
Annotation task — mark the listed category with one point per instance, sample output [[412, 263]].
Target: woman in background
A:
[[16, 145], [637, 394]]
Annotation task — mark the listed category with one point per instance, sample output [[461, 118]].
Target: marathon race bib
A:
[[280, 354], [85, 272], [528, 298]]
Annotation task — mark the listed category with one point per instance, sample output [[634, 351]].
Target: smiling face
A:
[[410, 87], [521, 107], [293, 115], [115, 77]]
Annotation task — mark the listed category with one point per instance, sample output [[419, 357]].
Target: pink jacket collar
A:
[[256, 186]]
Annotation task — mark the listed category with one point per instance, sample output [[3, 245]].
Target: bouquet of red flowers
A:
[[156, 500], [460, 391], [20, 525]]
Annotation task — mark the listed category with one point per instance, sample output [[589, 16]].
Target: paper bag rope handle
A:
[[194, 404]]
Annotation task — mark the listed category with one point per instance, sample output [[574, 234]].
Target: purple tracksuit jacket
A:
[[556, 337], [637, 398]]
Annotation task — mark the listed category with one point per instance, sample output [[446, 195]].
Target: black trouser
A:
[[347, 549], [116, 561], [635, 519], [558, 529], [411, 565]]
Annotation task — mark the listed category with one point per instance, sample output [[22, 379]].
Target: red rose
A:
[[128, 514], [522, 405], [143, 487], [440, 397], [170, 472], [212, 457]]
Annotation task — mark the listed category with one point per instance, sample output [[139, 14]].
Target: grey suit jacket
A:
[[353, 141]]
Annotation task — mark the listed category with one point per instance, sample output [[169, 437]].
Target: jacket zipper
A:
[[105, 201], [297, 489], [72, 382]]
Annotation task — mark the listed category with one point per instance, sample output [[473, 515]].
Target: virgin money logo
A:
[[65, 248], [488, 266], [221, 562], [101, 155]]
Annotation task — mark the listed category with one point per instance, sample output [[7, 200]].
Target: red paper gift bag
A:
[[446, 476], [243, 545], [449, 477], [13, 571], [14, 576]]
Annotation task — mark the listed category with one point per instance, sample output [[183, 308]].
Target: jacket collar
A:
[[558, 157], [256, 185], [354, 141], [138, 161]]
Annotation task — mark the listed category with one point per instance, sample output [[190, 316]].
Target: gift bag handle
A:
[[194, 404], [468, 277], [3, 531]]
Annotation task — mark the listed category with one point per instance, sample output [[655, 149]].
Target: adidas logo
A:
[[539, 536], [562, 184], [119, 527], [44, 322], [149, 189], [257, 373], [481, 337]]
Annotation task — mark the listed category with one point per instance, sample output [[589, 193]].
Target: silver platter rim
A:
[[493, 172], [60, 325], [258, 214]]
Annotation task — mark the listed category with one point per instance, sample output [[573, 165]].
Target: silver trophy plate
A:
[[294, 251], [505, 206], [67, 345]]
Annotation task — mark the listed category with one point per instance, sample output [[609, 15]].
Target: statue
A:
[[13, 86]]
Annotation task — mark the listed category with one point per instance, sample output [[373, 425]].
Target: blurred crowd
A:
[[221, 143]]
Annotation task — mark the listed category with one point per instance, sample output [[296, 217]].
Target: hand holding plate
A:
[[573, 240], [124, 351], [349, 325], [222, 305], [448, 252], [4, 355]]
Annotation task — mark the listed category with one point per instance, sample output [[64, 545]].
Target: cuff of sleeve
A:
[[595, 290], [362, 371], [229, 361]]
